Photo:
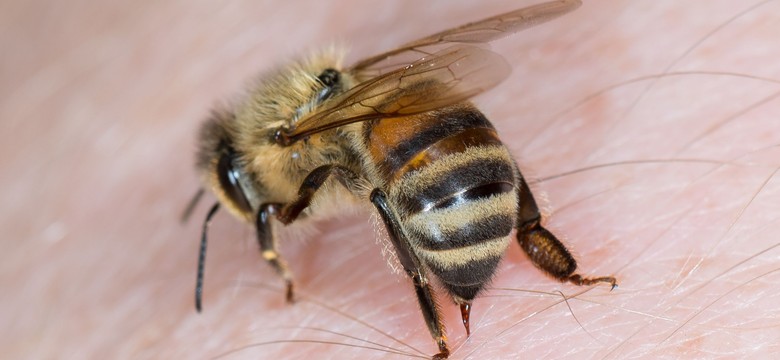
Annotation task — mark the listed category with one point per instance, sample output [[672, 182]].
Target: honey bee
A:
[[398, 130]]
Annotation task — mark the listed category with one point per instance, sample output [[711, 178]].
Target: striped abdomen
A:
[[452, 183]]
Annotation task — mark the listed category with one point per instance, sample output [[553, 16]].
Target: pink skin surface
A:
[[668, 182]]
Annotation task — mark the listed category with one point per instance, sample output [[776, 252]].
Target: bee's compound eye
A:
[[229, 180], [329, 77]]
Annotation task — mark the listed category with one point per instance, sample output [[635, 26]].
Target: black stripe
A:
[[468, 176], [446, 124], [467, 281], [474, 194], [479, 231]]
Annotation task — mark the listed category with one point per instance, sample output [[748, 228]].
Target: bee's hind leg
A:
[[544, 249]]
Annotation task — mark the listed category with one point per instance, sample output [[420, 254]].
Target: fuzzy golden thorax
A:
[[277, 99]]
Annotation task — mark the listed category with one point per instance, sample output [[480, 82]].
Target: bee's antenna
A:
[[191, 206], [202, 256]]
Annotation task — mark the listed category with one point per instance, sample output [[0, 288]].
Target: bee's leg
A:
[[288, 213], [414, 270], [268, 245], [544, 249], [311, 184]]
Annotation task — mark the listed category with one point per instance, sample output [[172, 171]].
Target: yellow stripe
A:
[[462, 256], [432, 173], [451, 219]]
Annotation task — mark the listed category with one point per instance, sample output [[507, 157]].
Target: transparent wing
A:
[[445, 78], [479, 32]]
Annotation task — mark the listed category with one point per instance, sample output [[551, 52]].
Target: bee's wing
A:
[[445, 78], [419, 76], [479, 32]]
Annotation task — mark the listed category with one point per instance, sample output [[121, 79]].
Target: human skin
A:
[[677, 194]]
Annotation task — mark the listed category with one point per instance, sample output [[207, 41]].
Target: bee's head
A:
[[222, 167], [237, 157]]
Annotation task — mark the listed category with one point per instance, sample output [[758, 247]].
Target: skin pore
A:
[[649, 131]]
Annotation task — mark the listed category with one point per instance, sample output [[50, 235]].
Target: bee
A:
[[397, 130]]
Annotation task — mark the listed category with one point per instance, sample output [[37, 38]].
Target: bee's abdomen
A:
[[455, 195], [464, 177], [399, 146], [459, 221], [465, 200], [440, 160]]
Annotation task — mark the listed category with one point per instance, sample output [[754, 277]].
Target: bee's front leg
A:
[[268, 245], [290, 212]]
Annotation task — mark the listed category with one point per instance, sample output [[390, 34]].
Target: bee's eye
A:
[[329, 77], [229, 180]]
